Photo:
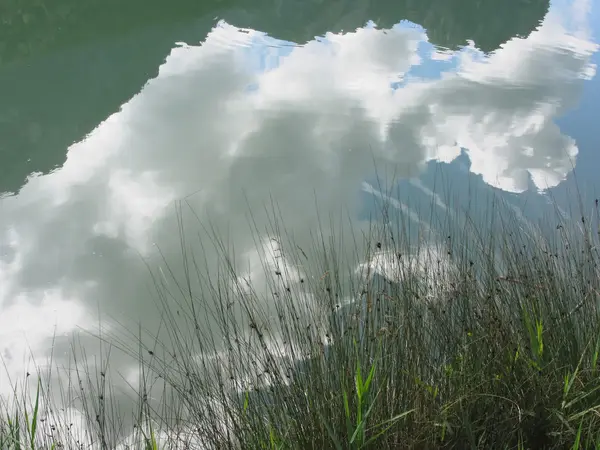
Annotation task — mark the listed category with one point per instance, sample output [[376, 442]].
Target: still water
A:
[[111, 113]]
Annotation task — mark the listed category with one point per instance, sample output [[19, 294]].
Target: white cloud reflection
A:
[[211, 124]]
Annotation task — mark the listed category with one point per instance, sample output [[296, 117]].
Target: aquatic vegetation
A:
[[477, 339]]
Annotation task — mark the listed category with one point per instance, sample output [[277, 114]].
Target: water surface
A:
[[109, 114]]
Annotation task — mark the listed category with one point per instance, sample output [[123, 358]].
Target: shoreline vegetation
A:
[[480, 339]]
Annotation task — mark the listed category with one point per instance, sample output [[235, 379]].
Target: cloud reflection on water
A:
[[312, 123]]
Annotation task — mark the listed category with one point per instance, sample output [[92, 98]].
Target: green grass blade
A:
[[577, 442], [390, 423], [34, 419]]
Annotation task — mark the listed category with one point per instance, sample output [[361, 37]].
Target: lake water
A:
[[110, 114]]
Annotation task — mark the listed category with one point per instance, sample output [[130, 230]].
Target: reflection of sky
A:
[[244, 111], [265, 53], [582, 123]]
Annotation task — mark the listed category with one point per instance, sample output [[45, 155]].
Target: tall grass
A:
[[487, 336]]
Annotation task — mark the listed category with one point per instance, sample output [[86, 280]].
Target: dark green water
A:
[[110, 111]]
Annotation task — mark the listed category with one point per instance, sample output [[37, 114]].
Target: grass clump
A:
[[473, 338]]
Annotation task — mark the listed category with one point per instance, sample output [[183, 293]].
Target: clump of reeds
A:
[[472, 339]]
